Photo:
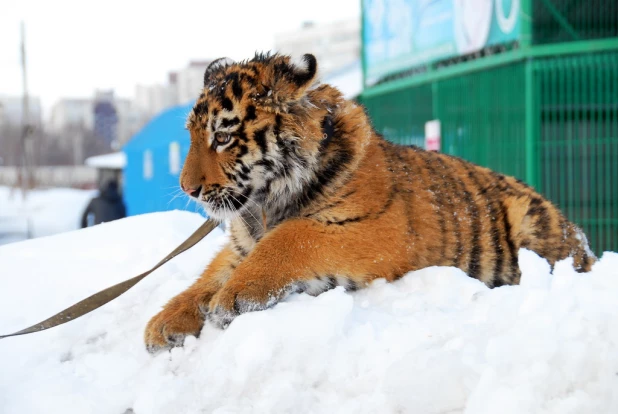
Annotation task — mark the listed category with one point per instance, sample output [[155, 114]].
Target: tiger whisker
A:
[[249, 211], [247, 197], [235, 211]]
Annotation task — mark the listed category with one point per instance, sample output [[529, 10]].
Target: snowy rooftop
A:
[[435, 341], [115, 160]]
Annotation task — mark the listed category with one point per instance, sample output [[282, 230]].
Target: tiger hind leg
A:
[[544, 230]]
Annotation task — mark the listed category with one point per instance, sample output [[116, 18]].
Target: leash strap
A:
[[101, 298]]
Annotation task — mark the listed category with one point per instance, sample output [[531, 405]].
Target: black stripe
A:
[[448, 182], [226, 123], [537, 210], [248, 78], [236, 88], [474, 265], [242, 150], [277, 129], [266, 163], [497, 282], [438, 199], [233, 144], [227, 104], [260, 138], [495, 233], [250, 115], [331, 205], [495, 239], [370, 215], [239, 249], [236, 202], [351, 285], [564, 246], [332, 282], [514, 263], [201, 109], [328, 131], [337, 162], [243, 176]]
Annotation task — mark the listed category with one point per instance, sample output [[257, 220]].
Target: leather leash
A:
[[101, 298]]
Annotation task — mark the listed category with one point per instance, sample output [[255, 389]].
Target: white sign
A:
[[148, 165], [174, 158], [432, 135]]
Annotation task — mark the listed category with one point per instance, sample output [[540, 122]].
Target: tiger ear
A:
[[286, 82], [216, 66]]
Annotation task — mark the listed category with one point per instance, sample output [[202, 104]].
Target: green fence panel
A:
[[400, 116], [578, 141], [483, 119], [556, 21]]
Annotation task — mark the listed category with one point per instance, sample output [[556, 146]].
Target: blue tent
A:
[[154, 160]]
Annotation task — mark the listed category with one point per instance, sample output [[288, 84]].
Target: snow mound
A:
[[436, 341]]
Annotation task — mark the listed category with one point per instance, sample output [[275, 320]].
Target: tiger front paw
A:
[[238, 297], [169, 327]]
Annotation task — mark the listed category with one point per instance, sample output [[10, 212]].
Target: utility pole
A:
[[26, 144]]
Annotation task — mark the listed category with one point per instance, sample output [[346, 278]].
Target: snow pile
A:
[[43, 213], [434, 342]]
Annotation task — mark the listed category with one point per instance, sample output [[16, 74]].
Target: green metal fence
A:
[[577, 118], [401, 115], [552, 121], [483, 118]]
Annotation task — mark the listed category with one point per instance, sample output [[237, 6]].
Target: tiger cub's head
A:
[[256, 131]]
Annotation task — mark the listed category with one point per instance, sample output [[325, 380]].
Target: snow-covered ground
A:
[[434, 342], [42, 213]]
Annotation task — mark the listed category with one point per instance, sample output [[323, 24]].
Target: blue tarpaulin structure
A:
[[154, 160]]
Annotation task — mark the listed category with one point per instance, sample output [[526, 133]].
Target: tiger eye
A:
[[222, 138]]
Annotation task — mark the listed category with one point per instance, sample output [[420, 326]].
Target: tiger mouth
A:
[[224, 205]]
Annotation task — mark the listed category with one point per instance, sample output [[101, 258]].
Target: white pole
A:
[[26, 154]]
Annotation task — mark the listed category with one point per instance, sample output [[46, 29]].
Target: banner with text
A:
[[400, 34]]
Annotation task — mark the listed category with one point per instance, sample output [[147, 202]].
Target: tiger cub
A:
[[316, 198]]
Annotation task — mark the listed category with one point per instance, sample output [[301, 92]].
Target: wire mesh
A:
[[578, 141], [400, 116]]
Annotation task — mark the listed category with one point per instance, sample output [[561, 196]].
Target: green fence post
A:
[[531, 131], [530, 110]]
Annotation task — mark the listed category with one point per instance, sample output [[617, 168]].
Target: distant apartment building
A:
[[182, 86], [129, 120], [152, 99], [335, 45], [105, 118], [190, 81], [71, 113], [11, 110], [89, 126]]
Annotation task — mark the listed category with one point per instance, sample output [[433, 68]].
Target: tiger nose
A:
[[193, 192]]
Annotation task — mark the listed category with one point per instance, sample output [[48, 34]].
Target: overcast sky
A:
[[75, 47]]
